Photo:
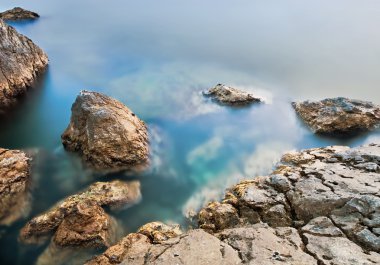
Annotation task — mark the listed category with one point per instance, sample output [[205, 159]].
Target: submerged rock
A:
[[18, 13], [81, 213], [231, 96], [339, 115], [21, 61], [15, 180], [108, 135]]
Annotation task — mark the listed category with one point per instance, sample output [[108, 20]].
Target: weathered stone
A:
[[322, 226], [18, 13], [339, 115], [108, 135], [231, 96], [159, 232], [218, 216], [21, 61], [115, 194], [15, 182]]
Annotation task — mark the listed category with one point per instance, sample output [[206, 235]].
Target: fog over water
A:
[[157, 57]]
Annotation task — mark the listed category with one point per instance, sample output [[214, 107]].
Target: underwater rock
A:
[[231, 96], [73, 209], [334, 116], [108, 135], [15, 180], [18, 13], [21, 61]]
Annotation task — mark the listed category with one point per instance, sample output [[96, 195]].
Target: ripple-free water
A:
[[157, 57]]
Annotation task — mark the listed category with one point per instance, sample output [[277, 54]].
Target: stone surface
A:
[[159, 232], [115, 194], [108, 135], [15, 179], [230, 96], [339, 115], [21, 61], [18, 13]]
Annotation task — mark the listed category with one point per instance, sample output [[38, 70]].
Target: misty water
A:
[[157, 57]]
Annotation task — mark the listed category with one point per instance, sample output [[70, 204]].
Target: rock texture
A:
[[231, 96], [15, 179], [21, 61], [339, 115], [79, 220], [319, 206], [108, 135], [18, 13]]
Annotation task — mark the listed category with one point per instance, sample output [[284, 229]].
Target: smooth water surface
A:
[[157, 57]]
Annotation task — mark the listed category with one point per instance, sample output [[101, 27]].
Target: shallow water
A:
[[157, 57]]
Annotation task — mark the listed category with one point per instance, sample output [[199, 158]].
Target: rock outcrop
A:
[[319, 206], [231, 96], [21, 61], [72, 219], [339, 115], [15, 180], [108, 135], [18, 13]]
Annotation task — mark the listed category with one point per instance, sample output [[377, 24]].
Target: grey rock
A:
[[231, 96]]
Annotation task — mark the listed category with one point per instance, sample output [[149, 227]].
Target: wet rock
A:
[[339, 115], [108, 135], [18, 13], [231, 96], [21, 61], [15, 179], [159, 232], [115, 194]]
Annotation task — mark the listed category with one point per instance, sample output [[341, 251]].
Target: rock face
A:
[[339, 115], [18, 13], [15, 181], [319, 206], [231, 96], [21, 61], [108, 135], [72, 219]]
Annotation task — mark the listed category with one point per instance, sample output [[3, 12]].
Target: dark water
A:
[[156, 57]]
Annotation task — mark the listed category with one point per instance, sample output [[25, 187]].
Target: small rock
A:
[[18, 13], [159, 232], [231, 96]]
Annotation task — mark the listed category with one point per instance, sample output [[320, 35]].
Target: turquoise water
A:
[[157, 57]]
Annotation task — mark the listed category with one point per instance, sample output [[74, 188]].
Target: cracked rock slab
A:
[[339, 115], [231, 96], [21, 61], [106, 133]]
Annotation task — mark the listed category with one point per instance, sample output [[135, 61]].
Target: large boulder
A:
[[18, 13], [15, 180], [339, 115], [21, 61], [108, 135], [231, 96]]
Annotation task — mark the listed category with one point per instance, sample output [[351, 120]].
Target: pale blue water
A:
[[157, 57]]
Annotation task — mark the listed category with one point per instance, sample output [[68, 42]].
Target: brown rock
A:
[[218, 216], [108, 135], [15, 182], [231, 96], [18, 13], [339, 115], [158, 232], [21, 61]]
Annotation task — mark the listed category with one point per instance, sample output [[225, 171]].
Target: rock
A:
[[322, 226], [339, 115], [231, 96], [194, 247], [108, 135], [18, 13], [15, 180], [21, 61], [264, 245], [218, 216], [115, 194], [158, 232]]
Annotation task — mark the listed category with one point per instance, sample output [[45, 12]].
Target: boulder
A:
[[21, 61], [15, 180], [108, 135], [231, 96], [337, 116], [18, 13]]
